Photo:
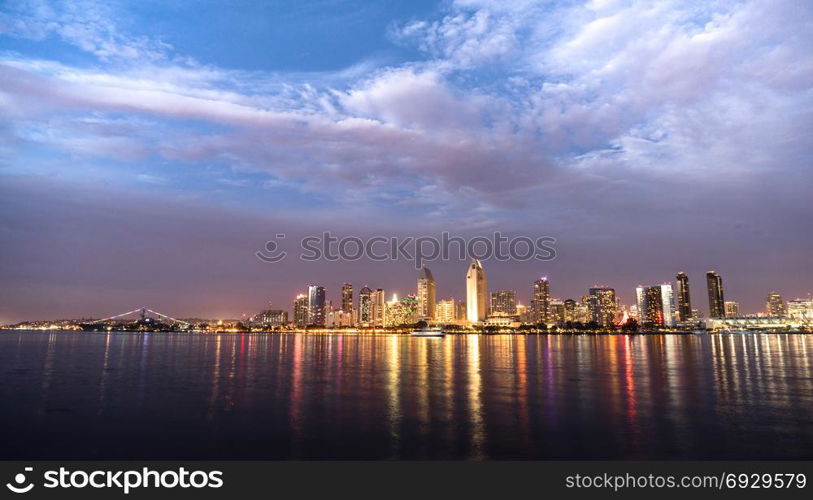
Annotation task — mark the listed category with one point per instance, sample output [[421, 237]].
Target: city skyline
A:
[[143, 160]]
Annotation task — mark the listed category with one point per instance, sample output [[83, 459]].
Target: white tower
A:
[[476, 292]]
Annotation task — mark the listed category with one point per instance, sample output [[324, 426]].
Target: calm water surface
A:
[[296, 396]]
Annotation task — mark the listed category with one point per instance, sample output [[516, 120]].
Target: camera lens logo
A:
[[19, 479]]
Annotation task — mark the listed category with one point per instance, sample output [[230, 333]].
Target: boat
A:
[[430, 331]]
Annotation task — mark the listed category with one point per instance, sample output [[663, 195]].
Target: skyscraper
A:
[[378, 308], [571, 310], [774, 305], [316, 305], [540, 300], [504, 302], [301, 311], [714, 284], [650, 305], [602, 304], [476, 293], [426, 294], [347, 298], [668, 306], [365, 306], [684, 301]]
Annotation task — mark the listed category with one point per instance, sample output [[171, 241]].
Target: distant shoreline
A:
[[407, 332]]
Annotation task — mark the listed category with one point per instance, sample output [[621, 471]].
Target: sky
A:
[[148, 149]]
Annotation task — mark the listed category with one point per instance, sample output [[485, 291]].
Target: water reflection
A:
[[117, 395]]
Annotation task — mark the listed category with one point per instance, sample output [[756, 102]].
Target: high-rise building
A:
[[714, 283], [365, 316], [556, 311], [668, 306], [347, 299], [504, 303], [684, 300], [732, 309], [445, 311], [602, 305], [378, 307], [774, 305], [316, 305], [476, 293], [426, 294], [571, 310], [650, 305], [460, 310], [540, 300], [301, 311]]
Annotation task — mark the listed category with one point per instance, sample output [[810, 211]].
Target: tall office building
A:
[[650, 305], [301, 310], [426, 294], [476, 293], [540, 300], [365, 317], [504, 302], [347, 298], [774, 305], [571, 310], [732, 309], [556, 312], [714, 283], [684, 301], [378, 308], [445, 311], [316, 305], [668, 306], [602, 305]]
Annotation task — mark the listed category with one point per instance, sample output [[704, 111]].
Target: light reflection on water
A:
[[128, 395]]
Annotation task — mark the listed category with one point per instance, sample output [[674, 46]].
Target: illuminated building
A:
[[347, 299], [556, 311], [365, 316], [668, 306], [504, 302], [378, 309], [522, 313], [714, 283], [460, 311], [774, 305], [602, 305], [316, 305], [650, 305], [732, 309], [684, 300], [401, 312], [571, 310], [476, 293], [801, 310], [272, 317], [301, 310], [445, 311], [540, 300], [426, 294]]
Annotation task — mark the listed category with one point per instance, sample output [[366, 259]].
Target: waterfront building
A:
[[271, 317], [668, 306], [540, 300], [445, 311], [602, 305], [571, 310], [378, 308], [732, 309], [316, 305], [476, 293], [684, 300], [426, 295], [556, 311], [650, 306], [365, 309], [523, 314], [714, 284], [504, 302], [774, 305], [801, 310], [301, 311], [347, 300]]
